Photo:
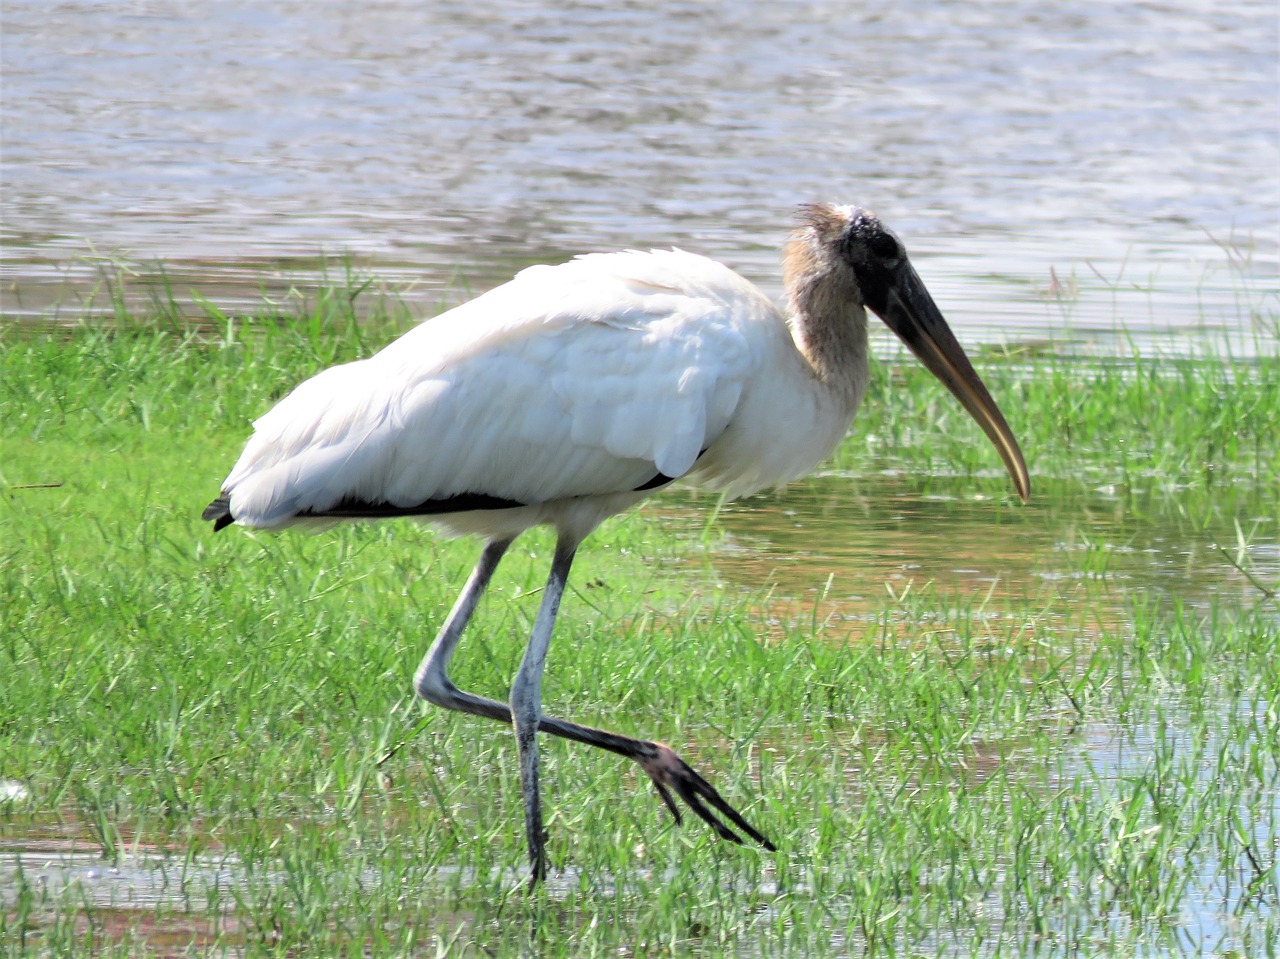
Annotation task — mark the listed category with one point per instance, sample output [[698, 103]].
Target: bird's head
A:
[[844, 253]]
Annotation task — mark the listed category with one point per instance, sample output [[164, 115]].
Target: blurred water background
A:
[[1103, 175]]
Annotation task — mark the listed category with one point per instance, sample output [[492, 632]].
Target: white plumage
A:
[[581, 379], [572, 392]]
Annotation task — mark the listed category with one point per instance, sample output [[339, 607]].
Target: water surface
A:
[[1066, 171], [848, 539]]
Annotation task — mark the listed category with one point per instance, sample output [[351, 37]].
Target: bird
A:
[[574, 391]]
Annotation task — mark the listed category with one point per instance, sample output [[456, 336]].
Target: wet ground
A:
[[1102, 176], [828, 550]]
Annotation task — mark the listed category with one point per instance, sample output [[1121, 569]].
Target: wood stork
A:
[[571, 393]]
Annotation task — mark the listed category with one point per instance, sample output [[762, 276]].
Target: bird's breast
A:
[[787, 423]]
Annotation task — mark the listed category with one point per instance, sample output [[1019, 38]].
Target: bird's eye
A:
[[883, 246]]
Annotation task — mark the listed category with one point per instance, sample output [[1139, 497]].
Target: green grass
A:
[[1070, 750]]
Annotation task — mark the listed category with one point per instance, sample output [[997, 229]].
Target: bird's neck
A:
[[828, 322]]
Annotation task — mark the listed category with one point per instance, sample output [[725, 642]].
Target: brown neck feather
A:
[[827, 318]]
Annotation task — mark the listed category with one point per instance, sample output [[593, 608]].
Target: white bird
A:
[[571, 393]]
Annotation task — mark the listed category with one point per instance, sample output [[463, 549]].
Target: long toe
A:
[[671, 774]]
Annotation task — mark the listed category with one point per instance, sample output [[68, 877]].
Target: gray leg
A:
[[432, 681], [668, 772], [526, 705]]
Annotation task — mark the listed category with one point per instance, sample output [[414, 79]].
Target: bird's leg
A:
[[669, 773], [432, 681], [526, 704]]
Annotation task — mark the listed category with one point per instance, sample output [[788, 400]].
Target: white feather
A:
[[573, 390], [586, 379]]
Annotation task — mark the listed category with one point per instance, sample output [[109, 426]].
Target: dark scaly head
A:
[[842, 260]]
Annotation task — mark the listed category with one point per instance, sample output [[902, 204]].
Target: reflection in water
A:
[[849, 539], [1078, 561]]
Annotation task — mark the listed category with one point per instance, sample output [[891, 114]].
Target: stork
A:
[[573, 392]]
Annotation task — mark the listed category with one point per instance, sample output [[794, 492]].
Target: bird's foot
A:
[[537, 872], [537, 855], [671, 774]]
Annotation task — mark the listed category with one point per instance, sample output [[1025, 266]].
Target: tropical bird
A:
[[571, 393]]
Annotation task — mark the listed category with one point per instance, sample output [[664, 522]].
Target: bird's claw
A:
[[671, 774]]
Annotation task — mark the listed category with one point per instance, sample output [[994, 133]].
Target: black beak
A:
[[910, 312]]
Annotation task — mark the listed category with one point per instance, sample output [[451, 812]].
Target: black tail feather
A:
[[219, 511]]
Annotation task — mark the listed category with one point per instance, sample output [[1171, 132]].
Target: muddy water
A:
[[848, 539], [1077, 560], [1066, 171]]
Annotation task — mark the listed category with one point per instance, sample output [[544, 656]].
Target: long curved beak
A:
[[911, 313]]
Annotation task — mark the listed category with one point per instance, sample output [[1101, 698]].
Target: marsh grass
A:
[[1076, 763]]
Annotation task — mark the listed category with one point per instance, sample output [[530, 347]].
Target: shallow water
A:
[[829, 547], [1097, 173], [848, 539], [833, 544]]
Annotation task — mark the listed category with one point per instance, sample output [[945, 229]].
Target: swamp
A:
[[973, 727], [970, 725]]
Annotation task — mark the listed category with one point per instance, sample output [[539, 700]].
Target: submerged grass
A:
[[1079, 762]]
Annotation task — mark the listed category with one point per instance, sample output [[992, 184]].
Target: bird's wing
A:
[[590, 377]]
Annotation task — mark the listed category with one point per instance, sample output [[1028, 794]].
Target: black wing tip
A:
[[219, 512], [352, 508]]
